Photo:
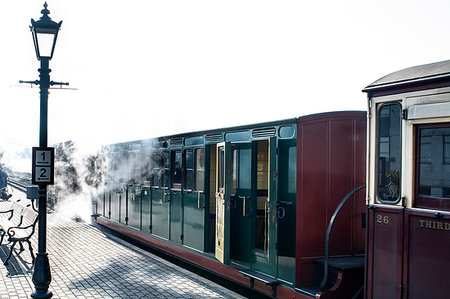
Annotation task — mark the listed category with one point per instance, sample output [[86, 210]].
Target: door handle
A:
[[281, 212], [164, 199], [244, 208]]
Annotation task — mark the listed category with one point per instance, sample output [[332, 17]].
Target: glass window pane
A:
[[233, 170], [221, 170], [292, 170], [165, 169], [176, 170], [389, 152], [189, 173], [434, 167], [199, 169], [245, 175], [157, 171]]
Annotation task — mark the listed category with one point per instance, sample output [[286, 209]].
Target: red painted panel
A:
[[385, 253], [330, 163], [428, 262]]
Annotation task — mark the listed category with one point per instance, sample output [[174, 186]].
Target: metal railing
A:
[[327, 237], [17, 185]]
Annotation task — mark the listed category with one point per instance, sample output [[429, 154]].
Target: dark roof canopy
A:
[[413, 75]]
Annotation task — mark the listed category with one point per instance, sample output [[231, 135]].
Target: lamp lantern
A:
[[45, 32]]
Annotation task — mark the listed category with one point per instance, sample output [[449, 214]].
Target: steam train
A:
[[335, 205]]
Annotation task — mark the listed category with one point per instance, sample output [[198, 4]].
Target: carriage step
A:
[[341, 270], [343, 263], [310, 291], [261, 277]]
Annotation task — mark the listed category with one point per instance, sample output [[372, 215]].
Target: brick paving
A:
[[88, 263]]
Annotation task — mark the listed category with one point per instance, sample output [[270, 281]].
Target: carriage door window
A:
[[199, 170], [188, 170], [389, 152], [433, 166], [157, 171], [176, 169], [165, 169]]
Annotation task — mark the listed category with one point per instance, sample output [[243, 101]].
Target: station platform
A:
[[88, 263]]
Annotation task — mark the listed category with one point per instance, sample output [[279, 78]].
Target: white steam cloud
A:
[[15, 157], [82, 174]]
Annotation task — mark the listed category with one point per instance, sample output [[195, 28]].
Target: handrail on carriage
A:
[[327, 237]]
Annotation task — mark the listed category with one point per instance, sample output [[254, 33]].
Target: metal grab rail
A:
[[327, 237]]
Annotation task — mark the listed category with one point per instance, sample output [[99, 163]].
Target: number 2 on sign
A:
[[43, 173]]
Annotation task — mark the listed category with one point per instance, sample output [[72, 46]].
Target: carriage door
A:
[[194, 198], [222, 232], [175, 197], [286, 220], [242, 202], [264, 251], [161, 195]]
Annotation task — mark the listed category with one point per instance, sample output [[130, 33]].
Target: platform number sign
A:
[[43, 166]]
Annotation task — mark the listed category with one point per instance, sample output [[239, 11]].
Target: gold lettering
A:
[[434, 224]]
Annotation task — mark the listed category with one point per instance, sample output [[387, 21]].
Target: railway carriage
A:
[[250, 203], [408, 241]]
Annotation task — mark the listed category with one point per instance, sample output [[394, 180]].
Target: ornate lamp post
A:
[[45, 32]]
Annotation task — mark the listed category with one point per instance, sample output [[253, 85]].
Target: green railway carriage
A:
[[228, 200]]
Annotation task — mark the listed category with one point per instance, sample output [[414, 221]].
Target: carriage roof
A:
[[420, 74]]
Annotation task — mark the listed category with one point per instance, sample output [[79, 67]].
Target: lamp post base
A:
[[41, 276]]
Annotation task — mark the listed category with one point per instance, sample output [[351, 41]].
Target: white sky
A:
[[150, 68]]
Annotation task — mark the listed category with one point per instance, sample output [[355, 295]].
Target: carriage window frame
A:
[[188, 168], [381, 181], [176, 169], [165, 169], [199, 169], [429, 201], [157, 169]]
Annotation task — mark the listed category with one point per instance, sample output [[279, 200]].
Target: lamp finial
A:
[[45, 11]]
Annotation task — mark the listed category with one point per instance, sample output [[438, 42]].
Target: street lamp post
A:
[[45, 32]]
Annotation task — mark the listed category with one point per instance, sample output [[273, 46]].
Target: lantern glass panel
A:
[[45, 44]]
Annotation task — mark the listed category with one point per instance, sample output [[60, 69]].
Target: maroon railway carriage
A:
[[408, 241], [252, 203]]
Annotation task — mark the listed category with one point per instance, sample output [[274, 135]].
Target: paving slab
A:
[[88, 263]]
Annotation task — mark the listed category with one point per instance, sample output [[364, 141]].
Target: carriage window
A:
[[433, 164], [221, 170], [233, 170], [165, 169], [244, 168], [199, 169], [157, 172], [292, 170], [176, 169], [188, 170], [389, 152]]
